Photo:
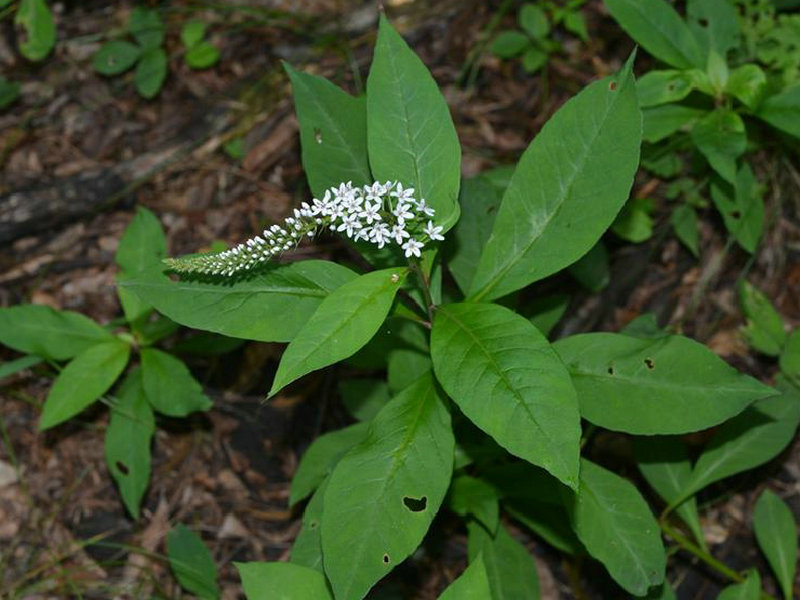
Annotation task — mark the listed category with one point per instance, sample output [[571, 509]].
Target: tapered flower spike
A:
[[381, 214]]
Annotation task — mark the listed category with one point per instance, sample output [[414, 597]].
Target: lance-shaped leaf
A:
[[384, 493], [617, 528], [765, 330], [750, 589], [271, 580], [567, 188], [270, 306], [307, 548], [472, 584], [659, 29], [783, 110], [668, 385], [776, 533], [170, 387], [333, 132], [320, 458], [410, 134], [665, 464], [789, 360], [741, 206], [507, 379], [509, 566], [87, 377], [748, 440], [44, 331], [127, 442], [192, 563], [342, 324]]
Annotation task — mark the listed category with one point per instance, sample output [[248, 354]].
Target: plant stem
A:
[[686, 544], [426, 289]]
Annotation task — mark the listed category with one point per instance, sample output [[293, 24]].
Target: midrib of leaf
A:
[[406, 120], [508, 384], [565, 189], [332, 123], [782, 562]]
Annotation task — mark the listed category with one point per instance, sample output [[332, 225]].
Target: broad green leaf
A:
[[342, 324], [116, 57], [321, 457], [663, 87], [333, 132], [750, 589], [364, 398], [507, 379], [659, 122], [269, 306], [533, 20], [406, 365], [50, 333], [715, 25], [151, 71], [548, 521], [472, 496], [479, 201], [509, 44], [717, 73], [634, 222], [12, 367], [9, 91], [410, 134], [127, 442], [545, 312], [87, 377], [554, 211], [668, 385], [658, 28], [170, 388], [742, 207], [282, 581], [146, 27], [764, 330], [747, 83], [790, 357], [192, 33], [664, 463], [684, 222], [472, 584], [202, 56], [307, 548], [593, 270], [782, 110], [192, 563], [721, 138], [614, 523], [776, 533], [40, 30], [509, 566], [384, 493], [748, 440]]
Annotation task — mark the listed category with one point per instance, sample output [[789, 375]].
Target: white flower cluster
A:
[[381, 213]]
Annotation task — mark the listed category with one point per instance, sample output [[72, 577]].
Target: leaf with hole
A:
[[191, 562], [741, 207], [127, 442], [714, 24], [342, 324], [87, 377], [507, 379], [553, 210], [663, 87], [668, 385], [384, 493], [410, 133], [776, 533], [307, 547], [615, 524]]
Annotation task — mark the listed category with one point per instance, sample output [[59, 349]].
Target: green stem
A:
[[426, 289]]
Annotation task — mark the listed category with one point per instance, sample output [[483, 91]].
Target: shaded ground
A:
[[227, 474]]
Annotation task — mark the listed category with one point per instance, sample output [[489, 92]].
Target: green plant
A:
[[97, 358], [532, 40], [37, 28], [707, 102], [9, 91], [192, 563], [469, 408], [200, 54]]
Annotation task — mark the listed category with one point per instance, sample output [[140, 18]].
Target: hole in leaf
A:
[[123, 468], [736, 214], [414, 504], [612, 86], [649, 363], [671, 87], [313, 524], [610, 370], [386, 559], [702, 22]]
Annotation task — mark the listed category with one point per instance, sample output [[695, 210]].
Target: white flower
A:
[[433, 232], [402, 194], [412, 248], [350, 225], [379, 234], [424, 208], [402, 212], [398, 233], [370, 212]]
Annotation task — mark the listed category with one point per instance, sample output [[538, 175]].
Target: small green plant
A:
[[711, 101], [96, 359], [459, 401], [200, 53], [532, 40], [37, 29]]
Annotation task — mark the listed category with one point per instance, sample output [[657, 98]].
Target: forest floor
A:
[[226, 474]]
